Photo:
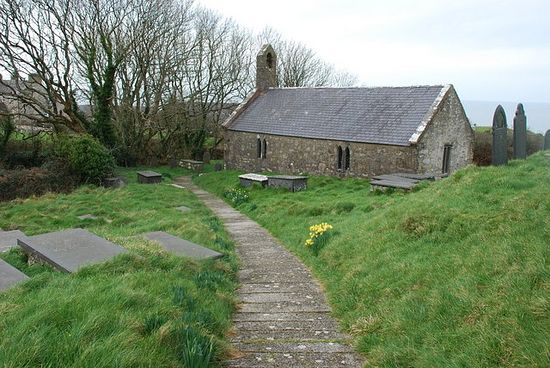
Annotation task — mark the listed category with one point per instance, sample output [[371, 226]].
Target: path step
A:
[[283, 319], [8, 239], [9, 275], [182, 247], [69, 250]]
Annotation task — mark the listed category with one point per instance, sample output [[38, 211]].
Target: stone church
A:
[[346, 131]]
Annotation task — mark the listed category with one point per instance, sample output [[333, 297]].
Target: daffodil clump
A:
[[318, 236]]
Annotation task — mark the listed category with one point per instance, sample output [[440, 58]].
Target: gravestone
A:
[[500, 141], [183, 209], [149, 177], [8, 239], [547, 140], [180, 247], [218, 166], [87, 216], [9, 275], [250, 179], [292, 183], [69, 250], [206, 157], [114, 182], [520, 134]]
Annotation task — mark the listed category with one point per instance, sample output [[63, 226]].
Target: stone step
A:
[[296, 334], [304, 317], [293, 347], [8, 239], [286, 325], [305, 298], [296, 360], [279, 287], [283, 307], [9, 275]]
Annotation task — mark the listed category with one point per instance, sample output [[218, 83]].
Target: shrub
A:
[[35, 181], [197, 350], [85, 157]]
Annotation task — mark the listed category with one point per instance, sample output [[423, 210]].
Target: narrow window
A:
[[264, 149], [269, 60], [446, 158], [259, 148], [340, 155], [346, 159]]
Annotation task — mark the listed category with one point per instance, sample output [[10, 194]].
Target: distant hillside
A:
[[481, 113]]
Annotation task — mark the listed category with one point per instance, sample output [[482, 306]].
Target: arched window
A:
[[269, 60], [346, 159], [340, 155], [259, 148], [264, 149]]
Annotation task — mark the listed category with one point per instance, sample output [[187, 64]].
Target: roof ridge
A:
[[360, 87]]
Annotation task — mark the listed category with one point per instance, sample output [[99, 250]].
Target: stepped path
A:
[[283, 319]]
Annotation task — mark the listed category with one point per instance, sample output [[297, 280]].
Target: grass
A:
[[454, 274], [145, 308]]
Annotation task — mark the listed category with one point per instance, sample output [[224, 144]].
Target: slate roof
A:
[[382, 115]]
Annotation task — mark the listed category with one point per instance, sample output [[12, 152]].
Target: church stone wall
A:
[[294, 155], [450, 126]]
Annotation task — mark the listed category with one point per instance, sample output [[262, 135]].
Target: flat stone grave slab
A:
[[407, 185], [87, 216], [9, 275], [395, 177], [149, 177], [70, 250], [183, 209], [292, 183], [192, 165], [8, 239], [182, 247], [250, 179]]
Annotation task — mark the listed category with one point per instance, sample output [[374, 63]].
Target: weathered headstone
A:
[[180, 247], [10, 275], [69, 250], [500, 141], [114, 182], [218, 166], [206, 157], [547, 140], [520, 133]]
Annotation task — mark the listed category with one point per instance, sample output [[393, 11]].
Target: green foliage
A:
[[6, 130], [128, 312], [85, 157], [452, 275]]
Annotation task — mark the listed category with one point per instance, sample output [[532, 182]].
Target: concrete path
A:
[[283, 319]]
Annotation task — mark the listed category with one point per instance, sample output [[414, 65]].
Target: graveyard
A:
[[449, 274], [137, 308]]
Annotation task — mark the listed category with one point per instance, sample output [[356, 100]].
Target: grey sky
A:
[[490, 50]]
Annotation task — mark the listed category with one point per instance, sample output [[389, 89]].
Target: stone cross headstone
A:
[[520, 134], [547, 140], [500, 141]]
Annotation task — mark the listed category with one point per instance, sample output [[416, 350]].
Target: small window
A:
[[264, 149], [446, 158], [346, 159], [259, 148], [340, 155], [269, 60]]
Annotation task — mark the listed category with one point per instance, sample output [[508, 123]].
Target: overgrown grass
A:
[[452, 275], [134, 311]]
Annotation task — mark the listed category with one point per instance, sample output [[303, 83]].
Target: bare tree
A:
[[36, 43]]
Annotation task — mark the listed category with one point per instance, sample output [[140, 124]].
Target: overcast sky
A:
[[490, 50]]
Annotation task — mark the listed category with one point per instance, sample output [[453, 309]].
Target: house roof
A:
[[382, 115]]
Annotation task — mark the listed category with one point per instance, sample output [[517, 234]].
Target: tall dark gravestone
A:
[[500, 141], [520, 134], [547, 140]]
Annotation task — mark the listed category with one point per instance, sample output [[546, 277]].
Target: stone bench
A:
[[148, 177], [248, 180], [192, 165], [292, 183]]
